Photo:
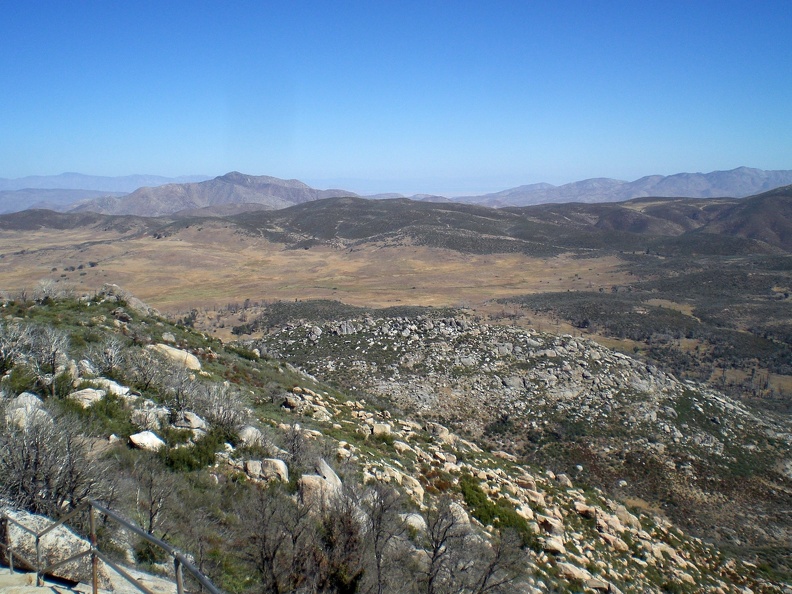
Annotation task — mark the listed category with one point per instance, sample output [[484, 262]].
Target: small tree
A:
[[221, 405], [14, 342], [145, 367], [383, 525], [108, 356], [280, 537], [445, 537], [49, 347]]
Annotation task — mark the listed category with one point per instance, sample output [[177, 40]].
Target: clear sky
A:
[[441, 97]]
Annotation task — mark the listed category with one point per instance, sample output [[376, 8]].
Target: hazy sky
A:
[[446, 97]]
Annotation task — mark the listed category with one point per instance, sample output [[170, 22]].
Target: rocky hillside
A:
[[273, 478], [690, 453]]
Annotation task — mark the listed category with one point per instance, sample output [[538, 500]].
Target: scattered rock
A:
[[87, 397], [554, 545], [189, 360], [573, 572], [146, 440], [250, 436], [274, 469]]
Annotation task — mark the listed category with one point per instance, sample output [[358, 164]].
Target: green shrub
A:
[[500, 514], [148, 553], [200, 455], [21, 379]]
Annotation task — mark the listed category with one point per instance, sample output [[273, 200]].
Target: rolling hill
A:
[[759, 223]]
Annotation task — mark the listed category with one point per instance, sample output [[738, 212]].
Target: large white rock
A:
[[150, 418], [87, 397], [315, 491], [554, 545], [189, 360], [323, 469], [249, 436], [550, 525], [573, 572], [146, 440], [253, 468], [110, 386], [25, 410], [319, 490], [413, 488], [189, 420], [414, 522], [274, 469]]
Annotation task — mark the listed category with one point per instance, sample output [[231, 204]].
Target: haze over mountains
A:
[[237, 192], [80, 181], [64, 191]]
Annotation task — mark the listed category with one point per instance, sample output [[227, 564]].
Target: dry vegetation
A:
[[206, 266]]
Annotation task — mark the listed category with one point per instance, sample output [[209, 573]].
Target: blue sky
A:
[[440, 97]]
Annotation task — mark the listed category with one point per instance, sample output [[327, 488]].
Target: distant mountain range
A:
[[237, 192], [78, 181], [736, 183], [51, 199]]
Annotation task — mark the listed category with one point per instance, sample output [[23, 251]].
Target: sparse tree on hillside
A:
[[446, 533], [145, 367], [50, 346], [381, 505], [341, 566], [179, 386], [153, 493], [220, 405], [14, 342], [280, 537], [108, 356]]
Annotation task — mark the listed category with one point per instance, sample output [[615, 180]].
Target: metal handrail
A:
[[180, 562]]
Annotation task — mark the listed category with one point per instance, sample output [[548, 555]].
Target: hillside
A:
[[270, 477], [626, 226], [766, 217]]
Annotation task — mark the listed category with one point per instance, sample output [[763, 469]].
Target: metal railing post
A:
[[94, 558], [38, 561], [9, 548], [177, 569]]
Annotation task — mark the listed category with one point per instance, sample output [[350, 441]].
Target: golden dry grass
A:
[[211, 265]]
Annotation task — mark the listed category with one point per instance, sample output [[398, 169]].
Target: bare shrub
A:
[[15, 341], [108, 356], [221, 405], [46, 467]]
